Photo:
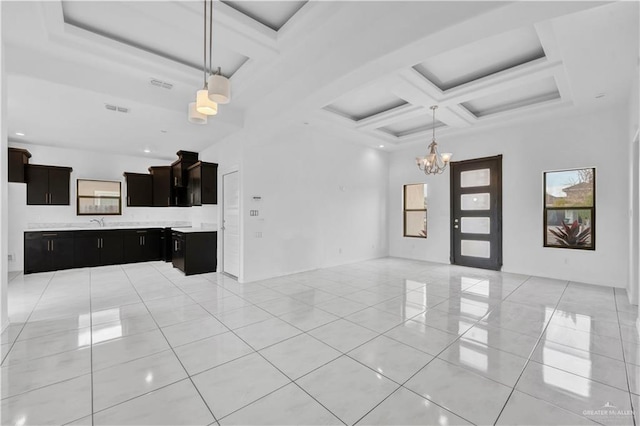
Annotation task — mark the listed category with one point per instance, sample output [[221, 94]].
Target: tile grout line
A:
[[624, 359], [169, 344], [262, 356], [91, 344], [402, 385], [524, 367], [35, 305]]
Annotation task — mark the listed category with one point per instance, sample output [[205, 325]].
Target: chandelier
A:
[[216, 88], [434, 163]]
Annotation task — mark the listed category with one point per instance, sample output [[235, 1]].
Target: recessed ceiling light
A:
[[19, 134], [380, 146], [146, 150]]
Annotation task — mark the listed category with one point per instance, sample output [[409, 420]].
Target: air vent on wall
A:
[[116, 108], [160, 83]]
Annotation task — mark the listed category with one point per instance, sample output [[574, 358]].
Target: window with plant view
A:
[[415, 210], [569, 209]]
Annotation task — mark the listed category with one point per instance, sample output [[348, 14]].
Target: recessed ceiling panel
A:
[[272, 14], [482, 58], [533, 93], [412, 125], [365, 102], [162, 28]]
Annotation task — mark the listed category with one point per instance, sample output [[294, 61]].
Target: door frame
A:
[[498, 207], [223, 173]]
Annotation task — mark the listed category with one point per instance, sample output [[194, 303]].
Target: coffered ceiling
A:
[[366, 70]]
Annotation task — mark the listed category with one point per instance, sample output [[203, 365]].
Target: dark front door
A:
[[476, 213]]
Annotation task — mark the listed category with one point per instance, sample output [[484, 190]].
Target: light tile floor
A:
[[386, 341]]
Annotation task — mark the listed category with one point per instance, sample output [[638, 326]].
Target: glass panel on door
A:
[[481, 201], [475, 225], [472, 178], [476, 248]]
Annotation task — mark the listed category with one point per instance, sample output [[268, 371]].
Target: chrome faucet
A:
[[100, 221]]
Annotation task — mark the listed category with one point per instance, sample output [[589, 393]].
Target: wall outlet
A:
[[253, 212], [258, 234], [11, 258]]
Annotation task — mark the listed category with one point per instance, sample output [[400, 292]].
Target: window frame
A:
[[546, 209], [78, 197], [405, 210]]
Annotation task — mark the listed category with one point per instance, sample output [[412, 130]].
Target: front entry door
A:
[[476, 213]]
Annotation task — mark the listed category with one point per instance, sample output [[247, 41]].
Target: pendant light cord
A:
[[210, 36], [204, 33]]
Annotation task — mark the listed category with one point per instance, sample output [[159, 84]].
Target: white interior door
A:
[[231, 223]]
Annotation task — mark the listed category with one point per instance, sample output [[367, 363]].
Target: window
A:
[[569, 209], [98, 197], [415, 210]]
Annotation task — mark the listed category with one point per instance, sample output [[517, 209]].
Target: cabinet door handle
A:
[[98, 242], [168, 200], [51, 245], [144, 240], [50, 198], [128, 200], [48, 243]]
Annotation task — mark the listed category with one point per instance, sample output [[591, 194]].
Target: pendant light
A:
[[204, 105], [434, 163], [219, 85], [194, 116]]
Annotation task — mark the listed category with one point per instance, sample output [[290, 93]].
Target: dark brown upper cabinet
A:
[[162, 185], [48, 185], [18, 159], [203, 183], [139, 190], [180, 167]]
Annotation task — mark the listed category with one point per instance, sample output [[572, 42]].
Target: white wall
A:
[[91, 165], [323, 200], [4, 224], [594, 139], [633, 288], [323, 203]]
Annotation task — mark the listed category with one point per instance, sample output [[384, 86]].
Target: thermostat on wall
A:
[[257, 198]]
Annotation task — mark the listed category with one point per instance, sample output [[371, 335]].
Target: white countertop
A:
[[193, 230]]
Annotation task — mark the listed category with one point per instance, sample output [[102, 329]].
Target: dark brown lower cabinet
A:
[[142, 245], [195, 252], [55, 250], [96, 248], [47, 251]]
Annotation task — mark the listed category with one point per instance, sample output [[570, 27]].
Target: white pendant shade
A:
[[219, 89], [204, 105], [194, 116]]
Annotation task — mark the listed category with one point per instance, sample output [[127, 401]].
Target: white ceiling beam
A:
[[502, 81], [393, 115]]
